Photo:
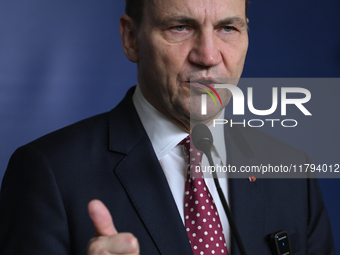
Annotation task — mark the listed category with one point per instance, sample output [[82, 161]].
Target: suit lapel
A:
[[246, 198], [144, 181]]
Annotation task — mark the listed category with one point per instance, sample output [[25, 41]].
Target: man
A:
[[131, 158]]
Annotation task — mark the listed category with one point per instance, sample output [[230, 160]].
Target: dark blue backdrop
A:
[[61, 61]]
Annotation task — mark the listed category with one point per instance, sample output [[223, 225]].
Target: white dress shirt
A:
[[165, 137]]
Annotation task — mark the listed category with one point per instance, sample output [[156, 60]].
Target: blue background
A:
[[62, 61]]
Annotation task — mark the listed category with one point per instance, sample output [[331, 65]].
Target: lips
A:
[[201, 83], [197, 88], [204, 80]]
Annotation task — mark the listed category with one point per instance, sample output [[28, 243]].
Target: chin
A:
[[196, 117]]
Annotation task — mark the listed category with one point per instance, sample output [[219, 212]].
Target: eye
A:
[[228, 29], [179, 28], [178, 32]]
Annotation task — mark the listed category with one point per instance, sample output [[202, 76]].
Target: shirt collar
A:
[[164, 134]]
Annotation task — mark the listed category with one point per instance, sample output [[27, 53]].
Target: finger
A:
[[122, 243], [101, 218]]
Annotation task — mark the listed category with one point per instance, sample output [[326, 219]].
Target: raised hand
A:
[[108, 241]]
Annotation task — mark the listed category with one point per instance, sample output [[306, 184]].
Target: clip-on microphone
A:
[[203, 140]]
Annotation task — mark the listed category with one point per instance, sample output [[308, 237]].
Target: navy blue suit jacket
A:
[[49, 182]]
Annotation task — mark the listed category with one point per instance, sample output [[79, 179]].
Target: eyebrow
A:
[[233, 20], [178, 19], [187, 20]]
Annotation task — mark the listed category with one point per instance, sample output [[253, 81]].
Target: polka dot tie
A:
[[202, 221]]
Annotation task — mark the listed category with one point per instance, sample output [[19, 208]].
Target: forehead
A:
[[203, 10]]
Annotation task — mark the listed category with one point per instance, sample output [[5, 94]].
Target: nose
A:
[[205, 51]]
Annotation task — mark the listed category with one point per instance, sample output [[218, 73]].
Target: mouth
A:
[[200, 85], [204, 80]]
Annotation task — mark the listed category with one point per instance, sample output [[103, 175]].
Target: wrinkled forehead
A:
[[203, 10]]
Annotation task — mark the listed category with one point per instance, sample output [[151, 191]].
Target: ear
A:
[[128, 34]]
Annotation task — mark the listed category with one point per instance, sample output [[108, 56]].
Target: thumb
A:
[[101, 218]]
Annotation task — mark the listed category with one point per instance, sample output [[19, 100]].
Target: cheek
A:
[[173, 58], [244, 50], [235, 59], [153, 63]]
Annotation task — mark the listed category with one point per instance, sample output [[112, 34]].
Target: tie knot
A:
[[194, 156]]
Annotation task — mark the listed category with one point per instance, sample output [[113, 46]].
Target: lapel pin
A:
[[252, 178]]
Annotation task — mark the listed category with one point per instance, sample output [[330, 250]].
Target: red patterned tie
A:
[[202, 221]]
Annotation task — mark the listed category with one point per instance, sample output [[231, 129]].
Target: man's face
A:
[[180, 40]]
